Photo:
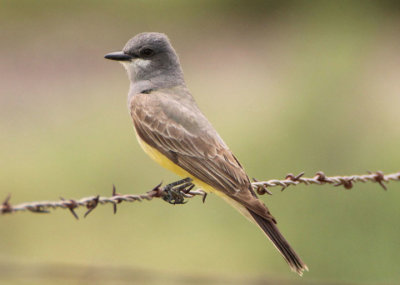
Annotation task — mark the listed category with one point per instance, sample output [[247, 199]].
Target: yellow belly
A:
[[168, 164]]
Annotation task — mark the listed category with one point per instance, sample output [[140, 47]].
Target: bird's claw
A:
[[174, 192]]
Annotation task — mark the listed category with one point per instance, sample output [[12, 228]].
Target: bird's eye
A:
[[146, 52]]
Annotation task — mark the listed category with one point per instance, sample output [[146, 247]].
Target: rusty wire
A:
[[320, 179], [183, 189]]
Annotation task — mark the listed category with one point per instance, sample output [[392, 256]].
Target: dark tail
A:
[[271, 230]]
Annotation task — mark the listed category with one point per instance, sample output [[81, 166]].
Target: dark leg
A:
[[173, 192]]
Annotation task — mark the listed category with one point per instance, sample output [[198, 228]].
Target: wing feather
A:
[[190, 142]]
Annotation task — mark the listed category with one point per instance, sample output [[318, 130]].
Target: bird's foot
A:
[[174, 193]]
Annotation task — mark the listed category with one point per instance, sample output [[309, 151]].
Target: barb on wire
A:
[[320, 179], [177, 192], [174, 193]]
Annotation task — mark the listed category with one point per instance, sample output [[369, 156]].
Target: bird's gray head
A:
[[151, 61]]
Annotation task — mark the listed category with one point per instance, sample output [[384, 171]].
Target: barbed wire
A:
[[321, 179], [177, 192]]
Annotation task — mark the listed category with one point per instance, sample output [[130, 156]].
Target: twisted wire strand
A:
[[183, 189], [320, 179]]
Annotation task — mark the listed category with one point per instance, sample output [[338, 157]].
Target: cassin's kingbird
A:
[[173, 131]]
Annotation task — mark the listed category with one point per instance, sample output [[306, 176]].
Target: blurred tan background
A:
[[290, 85]]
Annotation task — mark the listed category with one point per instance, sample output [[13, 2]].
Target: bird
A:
[[173, 131]]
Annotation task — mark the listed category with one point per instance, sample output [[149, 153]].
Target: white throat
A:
[[135, 67]]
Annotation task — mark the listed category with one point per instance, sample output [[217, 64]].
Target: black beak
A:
[[119, 56]]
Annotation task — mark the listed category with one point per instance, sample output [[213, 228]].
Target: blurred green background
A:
[[291, 86]]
